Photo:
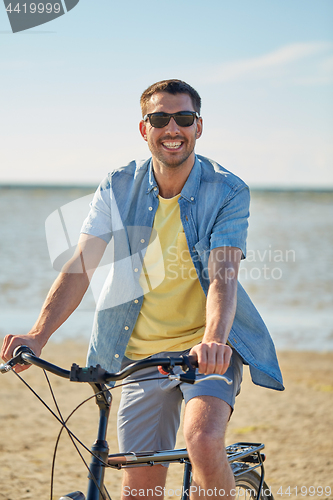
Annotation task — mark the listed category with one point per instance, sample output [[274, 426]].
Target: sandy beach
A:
[[295, 425]]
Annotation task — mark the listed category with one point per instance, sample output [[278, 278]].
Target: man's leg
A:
[[205, 422], [144, 482], [148, 419]]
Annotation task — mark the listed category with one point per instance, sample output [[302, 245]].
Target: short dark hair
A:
[[172, 87]]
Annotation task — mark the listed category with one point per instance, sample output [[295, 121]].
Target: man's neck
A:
[[171, 180]]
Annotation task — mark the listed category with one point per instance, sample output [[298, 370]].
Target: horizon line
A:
[[278, 188]]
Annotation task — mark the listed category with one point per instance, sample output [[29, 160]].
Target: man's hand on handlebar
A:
[[213, 357], [10, 343]]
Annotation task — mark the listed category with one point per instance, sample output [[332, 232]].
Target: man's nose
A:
[[172, 127]]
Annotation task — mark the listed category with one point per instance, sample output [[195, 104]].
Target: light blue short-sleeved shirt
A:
[[214, 210]]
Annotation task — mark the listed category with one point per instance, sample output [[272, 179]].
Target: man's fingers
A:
[[220, 361], [21, 368], [5, 351], [213, 357], [10, 342], [228, 354]]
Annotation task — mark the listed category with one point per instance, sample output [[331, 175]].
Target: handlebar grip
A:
[[22, 349]]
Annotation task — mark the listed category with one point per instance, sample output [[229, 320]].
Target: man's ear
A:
[[143, 129], [199, 127]]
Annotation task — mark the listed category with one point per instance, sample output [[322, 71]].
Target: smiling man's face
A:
[[171, 146]]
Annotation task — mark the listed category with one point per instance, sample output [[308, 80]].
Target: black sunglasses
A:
[[182, 118]]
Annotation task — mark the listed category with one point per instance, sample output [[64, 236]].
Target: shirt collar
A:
[[152, 184], [191, 187]]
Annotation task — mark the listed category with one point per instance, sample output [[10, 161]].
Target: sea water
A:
[[288, 272]]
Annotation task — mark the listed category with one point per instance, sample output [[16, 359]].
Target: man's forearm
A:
[[63, 298], [222, 293], [213, 353], [220, 310], [69, 288]]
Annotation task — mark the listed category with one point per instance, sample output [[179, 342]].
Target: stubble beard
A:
[[169, 161]]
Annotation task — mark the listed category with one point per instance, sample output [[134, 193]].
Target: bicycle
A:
[[243, 457]]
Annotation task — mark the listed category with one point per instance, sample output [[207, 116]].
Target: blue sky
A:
[[264, 68]]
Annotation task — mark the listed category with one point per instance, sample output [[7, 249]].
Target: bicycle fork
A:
[[100, 449]]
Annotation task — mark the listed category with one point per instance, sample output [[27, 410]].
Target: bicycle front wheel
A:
[[247, 486]]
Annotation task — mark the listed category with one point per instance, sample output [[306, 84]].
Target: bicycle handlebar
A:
[[96, 374], [23, 355]]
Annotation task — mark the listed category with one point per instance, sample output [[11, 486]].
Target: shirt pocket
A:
[[184, 256]]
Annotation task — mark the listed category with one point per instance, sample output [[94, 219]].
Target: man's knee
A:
[[204, 438], [204, 429]]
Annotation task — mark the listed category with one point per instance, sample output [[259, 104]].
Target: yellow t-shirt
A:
[[172, 316]]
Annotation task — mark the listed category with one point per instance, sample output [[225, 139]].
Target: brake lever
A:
[[190, 373], [190, 378], [215, 376], [189, 369]]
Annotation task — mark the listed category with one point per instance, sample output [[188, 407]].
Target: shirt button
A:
[[136, 270], [116, 355], [150, 208], [155, 188], [142, 241], [136, 301], [126, 327], [192, 199]]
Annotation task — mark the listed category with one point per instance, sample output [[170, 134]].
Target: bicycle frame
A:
[[100, 447], [243, 457]]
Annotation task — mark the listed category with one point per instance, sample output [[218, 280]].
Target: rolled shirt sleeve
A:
[[99, 220], [230, 227]]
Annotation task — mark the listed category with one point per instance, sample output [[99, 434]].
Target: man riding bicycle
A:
[[177, 227]]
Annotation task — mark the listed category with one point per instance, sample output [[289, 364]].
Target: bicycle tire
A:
[[76, 495], [247, 486]]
